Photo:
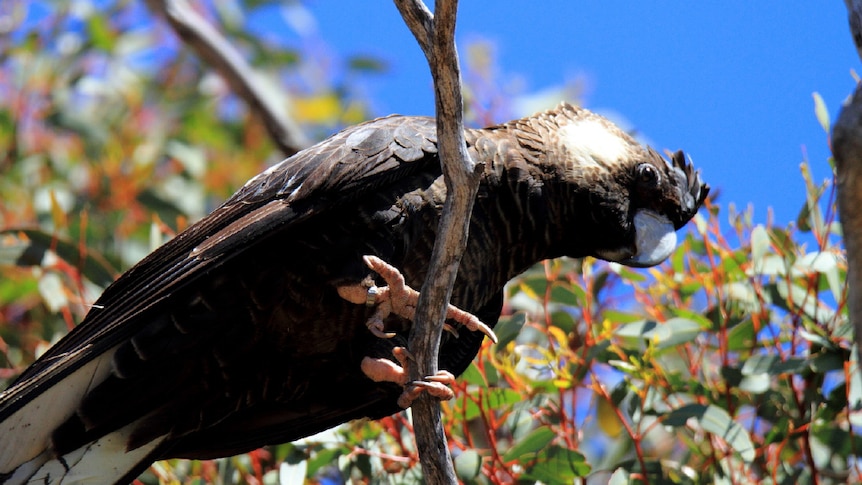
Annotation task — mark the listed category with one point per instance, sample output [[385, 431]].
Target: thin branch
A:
[[419, 20], [268, 103], [847, 150], [436, 37]]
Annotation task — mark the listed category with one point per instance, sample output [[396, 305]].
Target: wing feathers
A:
[[261, 221], [51, 391]]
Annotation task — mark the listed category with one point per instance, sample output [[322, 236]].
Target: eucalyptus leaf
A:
[[821, 112], [530, 445], [773, 365], [468, 464], [557, 465], [508, 328], [29, 247], [715, 420]]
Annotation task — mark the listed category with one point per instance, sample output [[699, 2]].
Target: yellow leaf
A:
[[607, 417], [322, 108], [560, 337], [563, 383], [58, 215]]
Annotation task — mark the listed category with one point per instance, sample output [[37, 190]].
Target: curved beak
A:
[[655, 239]]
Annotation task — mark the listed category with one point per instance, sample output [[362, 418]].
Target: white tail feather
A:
[[100, 462], [25, 436]]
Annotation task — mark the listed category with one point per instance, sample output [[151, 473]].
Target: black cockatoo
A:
[[267, 320]]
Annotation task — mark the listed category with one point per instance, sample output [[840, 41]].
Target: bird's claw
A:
[[436, 386], [378, 329], [403, 356], [384, 370], [442, 377], [398, 298], [474, 325]]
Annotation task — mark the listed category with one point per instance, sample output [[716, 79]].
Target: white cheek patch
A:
[[591, 143]]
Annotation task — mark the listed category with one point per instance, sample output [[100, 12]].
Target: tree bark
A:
[[436, 36], [267, 103], [847, 150]]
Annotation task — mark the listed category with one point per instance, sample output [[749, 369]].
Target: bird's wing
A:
[[339, 170]]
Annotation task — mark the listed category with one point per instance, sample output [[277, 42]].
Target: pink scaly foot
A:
[[400, 299], [384, 370]]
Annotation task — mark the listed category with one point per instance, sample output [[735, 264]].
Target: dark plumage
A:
[[233, 335]]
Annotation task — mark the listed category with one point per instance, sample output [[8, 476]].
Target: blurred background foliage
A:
[[729, 363]]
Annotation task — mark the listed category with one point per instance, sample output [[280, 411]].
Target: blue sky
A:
[[729, 82]]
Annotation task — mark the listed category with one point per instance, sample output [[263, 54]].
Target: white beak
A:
[[655, 239]]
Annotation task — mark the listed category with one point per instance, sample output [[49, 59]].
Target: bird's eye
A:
[[647, 175]]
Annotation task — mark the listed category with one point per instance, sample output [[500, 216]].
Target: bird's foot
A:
[[437, 386], [366, 293], [384, 370], [398, 298]]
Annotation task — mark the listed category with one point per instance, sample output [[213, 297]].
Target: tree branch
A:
[[436, 37], [420, 21], [269, 104], [847, 150]]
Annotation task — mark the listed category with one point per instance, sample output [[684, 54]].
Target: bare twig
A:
[[269, 104], [847, 149], [436, 37]]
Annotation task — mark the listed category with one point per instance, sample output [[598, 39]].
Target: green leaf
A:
[[715, 420], [626, 273], [816, 262], [742, 336], [673, 332], [563, 320], [367, 64], [534, 285], [821, 112], [100, 32], [600, 280], [468, 465], [28, 247], [771, 265], [815, 338], [795, 299], [508, 328], [636, 329], [755, 383], [759, 243], [773, 365], [16, 289], [811, 216], [557, 465], [473, 376], [743, 294], [676, 331], [496, 398], [617, 316], [531, 444], [827, 361], [567, 294], [620, 477]]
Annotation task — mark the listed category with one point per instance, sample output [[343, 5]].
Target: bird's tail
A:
[[105, 460], [35, 406]]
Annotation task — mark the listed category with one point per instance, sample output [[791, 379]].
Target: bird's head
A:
[[637, 199]]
